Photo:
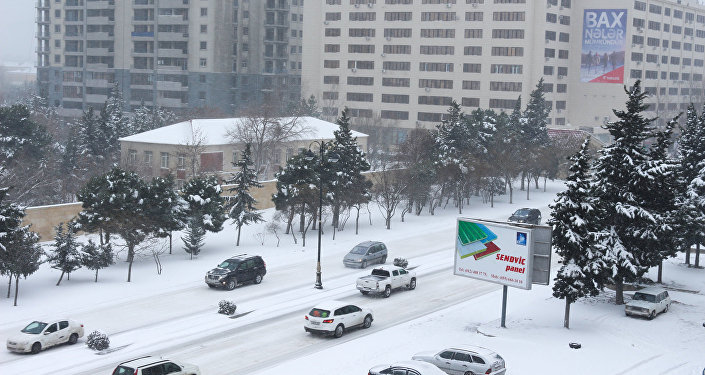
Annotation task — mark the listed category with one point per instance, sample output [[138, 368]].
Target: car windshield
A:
[[359, 250], [123, 370], [228, 265], [34, 327], [318, 313], [644, 297], [523, 212]]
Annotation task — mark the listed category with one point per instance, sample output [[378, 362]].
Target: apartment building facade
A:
[[401, 62], [177, 54]]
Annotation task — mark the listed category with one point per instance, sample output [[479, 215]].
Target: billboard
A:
[[516, 255], [604, 43]]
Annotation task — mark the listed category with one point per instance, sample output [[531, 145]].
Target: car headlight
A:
[[359, 260]]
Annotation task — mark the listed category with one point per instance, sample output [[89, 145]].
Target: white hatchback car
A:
[[155, 366], [648, 302], [40, 335], [335, 317], [406, 368], [465, 360]]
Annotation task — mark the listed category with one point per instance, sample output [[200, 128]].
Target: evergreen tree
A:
[[141, 120], [416, 156], [451, 152], [241, 206], [95, 256], [309, 107], [165, 207], [117, 203], [20, 137], [65, 256], [297, 188], [25, 254], [661, 195], [691, 149], [91, 140], [505, 152], [626, 227], [583, 271], [113, 122], [11, 216], [195, 233], [204, 202], [534, 133], [346, 184]]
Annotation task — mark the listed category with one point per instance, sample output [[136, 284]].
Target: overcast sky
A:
[[17, 29]]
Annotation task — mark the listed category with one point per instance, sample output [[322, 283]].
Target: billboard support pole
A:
[[504, 306]]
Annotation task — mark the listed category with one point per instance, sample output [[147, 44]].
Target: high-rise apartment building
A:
[[178, 54], [402, 62]]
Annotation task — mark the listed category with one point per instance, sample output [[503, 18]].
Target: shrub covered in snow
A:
[[401, 262], [226, 307], [98, 340]]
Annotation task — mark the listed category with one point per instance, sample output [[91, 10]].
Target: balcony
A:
[[104, 4], [173, 3], [172, 20], [169, 102], [99, 36], [171, 52], [101, 83], [96, 98], [42, 35], [173, 68], [42, 4], [97, 67], [99, 51], [173, 37], [170, 86], [41, 20], [145, 34], [100, 20]]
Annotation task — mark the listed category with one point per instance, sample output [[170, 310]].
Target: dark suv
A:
[[526, 215], [237, 270]]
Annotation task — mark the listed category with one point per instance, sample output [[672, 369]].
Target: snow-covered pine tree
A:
[[296, 189], [534, 134], [696, 195], [195, 234], [165, 207], [347, 184], [625, 226], [11, 216], [583, 271], [451, 152], [691, 149], [141, 120], [241, 206], [95, 256], [661, 196], [203, 199], [113, 122], [25, 254], [92, 142], [65, 255]]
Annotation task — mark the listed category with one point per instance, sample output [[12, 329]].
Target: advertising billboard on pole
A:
[[499, 253], [604, 43]]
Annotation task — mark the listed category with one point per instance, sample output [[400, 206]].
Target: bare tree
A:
[[388, 190], [192, 147], [267, 135]]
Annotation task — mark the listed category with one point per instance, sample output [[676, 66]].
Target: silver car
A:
[[365, 253], [464, 360], [648, 302]]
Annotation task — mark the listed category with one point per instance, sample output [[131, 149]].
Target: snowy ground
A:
[[173, 314]]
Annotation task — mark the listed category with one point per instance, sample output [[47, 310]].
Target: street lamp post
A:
[[331, 158]]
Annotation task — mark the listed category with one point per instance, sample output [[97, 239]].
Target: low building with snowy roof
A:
[[213, 145]]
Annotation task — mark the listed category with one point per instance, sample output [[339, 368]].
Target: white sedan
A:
[[406, 368], [41, 335], [335, 317]]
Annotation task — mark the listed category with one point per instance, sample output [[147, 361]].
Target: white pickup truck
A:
[[384, 279]]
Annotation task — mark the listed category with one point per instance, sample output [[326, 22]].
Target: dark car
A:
[[365, 253], [526, 215], [237, 270]]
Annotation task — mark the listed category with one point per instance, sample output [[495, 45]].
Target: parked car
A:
[[365, 253], [526, 215], [41, 335], [406, 368], [384, 279], [150, 366], [465, 360], [648, 302], [335, 317], [237, 270]]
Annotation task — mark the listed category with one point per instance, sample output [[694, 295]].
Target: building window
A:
[[181, 161], [132, 158], [204, 29], [164, 159], [204, 12], [204, 45], [203, 62], [148, 157]]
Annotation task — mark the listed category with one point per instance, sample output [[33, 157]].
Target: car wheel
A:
[[73, 338], [258, 279], [652, 314], [364, 292], [367, 322], [387, 291], [339, 330], [364, 264], [231, 284], [469, 373], [384, 260], [36, 348], [412, 284]]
